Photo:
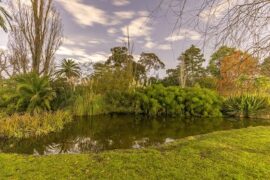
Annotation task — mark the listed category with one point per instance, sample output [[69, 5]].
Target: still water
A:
[[100, 133]]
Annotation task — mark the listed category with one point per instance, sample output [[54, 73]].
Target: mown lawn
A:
[[236, 154]]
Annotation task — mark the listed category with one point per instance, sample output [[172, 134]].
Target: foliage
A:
[[265, 67], [246, 105], [235, 154], [120, 72], [120, 102], [191, 66], [172, 78], [120, 56], [65, 94], [68, 69], [111, 79], [207, 82], [4, 18], [157, 100], [217, 57], [32, 93], [202, 103], [151, 62], [237, 73], [88, 105], [33, 125]]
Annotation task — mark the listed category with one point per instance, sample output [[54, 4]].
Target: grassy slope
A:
[[240, 154]]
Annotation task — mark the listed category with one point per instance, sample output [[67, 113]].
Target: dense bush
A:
[[27, 93], [65, 94], [245, 105], [120, 102], [32, 125], [158, 100], [154, 100]]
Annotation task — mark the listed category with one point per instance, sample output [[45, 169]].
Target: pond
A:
[[100, 133]]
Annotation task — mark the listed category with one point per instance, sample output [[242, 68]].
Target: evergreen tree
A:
[[191, 66]]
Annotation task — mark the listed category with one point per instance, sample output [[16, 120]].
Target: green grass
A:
[[236, 154]]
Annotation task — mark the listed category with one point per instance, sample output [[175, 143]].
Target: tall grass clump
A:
[[86, 105], [33, 125], [246, 106]]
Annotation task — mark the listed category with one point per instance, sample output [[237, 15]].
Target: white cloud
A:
[[164, 47], [120, 16], [121, 40], [112, 30], [124, 14], [138, 28], [94, 41], [65, 51], [120, 2], [184, 34], [150, 44], [81, 55], [68, 41], [85, 14], [98, 56], [143, 13]]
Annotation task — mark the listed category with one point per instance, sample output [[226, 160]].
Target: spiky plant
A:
[[33, 93], [245, 105], [4, 17], [69, 69]]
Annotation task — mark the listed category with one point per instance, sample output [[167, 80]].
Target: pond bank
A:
[[234, 154]]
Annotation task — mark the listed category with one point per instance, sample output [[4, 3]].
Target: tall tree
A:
[[191, 66], [237, 73], [4, 18], [151, 62], [70, 70], [121, 59], [216, 58], [40, 27]]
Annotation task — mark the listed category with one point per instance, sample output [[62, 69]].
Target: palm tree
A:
[[34, 93], [4, 17], [70, 70]]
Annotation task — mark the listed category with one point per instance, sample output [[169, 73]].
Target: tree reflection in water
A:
[[99, 133]]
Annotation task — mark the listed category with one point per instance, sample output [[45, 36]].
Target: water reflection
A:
[[120, 132]]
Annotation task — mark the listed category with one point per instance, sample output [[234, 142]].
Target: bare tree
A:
[[4, 65], [37, 29], [239, 23], [18, 52]]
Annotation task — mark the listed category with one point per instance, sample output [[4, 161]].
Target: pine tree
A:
[[191, 66]]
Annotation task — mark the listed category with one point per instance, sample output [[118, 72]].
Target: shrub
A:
[[153, 101], [33, 125], [158, 100], [202, 102], [120, 102], [245, 105], [27, 92]]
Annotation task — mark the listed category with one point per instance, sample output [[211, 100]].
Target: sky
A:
[[93, 27]]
